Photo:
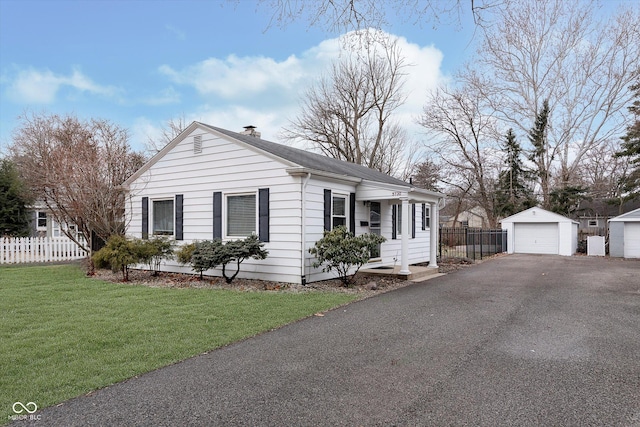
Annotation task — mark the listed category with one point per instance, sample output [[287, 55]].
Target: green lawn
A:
[[63, 334]]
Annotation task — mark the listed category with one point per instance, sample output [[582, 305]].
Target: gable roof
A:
[[548, 216], [291, 155], [311, 160], [634, 215]]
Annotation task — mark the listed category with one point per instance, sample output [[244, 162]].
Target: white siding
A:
[[225, 166], [390, 251]]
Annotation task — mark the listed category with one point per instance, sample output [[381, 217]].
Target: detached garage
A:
[[538, 231], [624, 235]]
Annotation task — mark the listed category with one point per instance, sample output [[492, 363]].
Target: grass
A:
[[63, 334]]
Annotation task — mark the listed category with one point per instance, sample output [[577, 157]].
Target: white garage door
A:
[[632, 239], [536, 238]]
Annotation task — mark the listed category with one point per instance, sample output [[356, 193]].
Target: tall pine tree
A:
[[13, 210], [541, 154], [631, 149], [514, 192]]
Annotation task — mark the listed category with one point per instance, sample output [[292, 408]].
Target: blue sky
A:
[[139, 63]]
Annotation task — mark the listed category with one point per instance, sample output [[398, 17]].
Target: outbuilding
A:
[[624, 235], [538, 231]]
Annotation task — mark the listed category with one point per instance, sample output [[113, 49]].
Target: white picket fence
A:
[[38, 249]]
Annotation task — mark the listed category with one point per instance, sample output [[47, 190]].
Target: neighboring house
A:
[[593, 216], [42, 223], [624, 235], [214, 183], [538, 231], [472, 218]]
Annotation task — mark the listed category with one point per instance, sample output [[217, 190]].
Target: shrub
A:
[[119, 253], [183, 255], [238, 251], [208, 254], [154, 251], [340, 250]]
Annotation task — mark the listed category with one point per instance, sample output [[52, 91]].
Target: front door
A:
[[375, 226]]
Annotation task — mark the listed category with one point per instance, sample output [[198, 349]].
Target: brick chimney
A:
[[250, 130]]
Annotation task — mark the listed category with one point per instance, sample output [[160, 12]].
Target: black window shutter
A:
[[394, 223], [352, 213], [217, 215], [179, 216], [145, 217], [327, 209], [413, 220], [424, 216], [263, 214]]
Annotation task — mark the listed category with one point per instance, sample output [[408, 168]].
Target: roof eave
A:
[[299, 171]]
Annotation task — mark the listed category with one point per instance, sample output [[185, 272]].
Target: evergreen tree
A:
[[514, 192], [566, 200], [13, 211], [541, 154], [631, 149]]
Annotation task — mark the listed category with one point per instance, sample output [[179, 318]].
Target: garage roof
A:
[[537, 214], [627, 217]]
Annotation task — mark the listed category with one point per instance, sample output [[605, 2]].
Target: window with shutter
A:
[[339, 211], [162, 218], [241, 215]]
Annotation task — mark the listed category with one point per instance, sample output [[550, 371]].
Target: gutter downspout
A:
[[303, 236]]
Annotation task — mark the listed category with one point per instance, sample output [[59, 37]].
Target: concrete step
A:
[[417, 272]]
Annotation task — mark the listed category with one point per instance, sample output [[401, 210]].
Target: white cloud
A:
[[180, 35], [33, 86], [164, 97], [262, 91]]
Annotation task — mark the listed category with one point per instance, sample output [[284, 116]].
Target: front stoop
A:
[[417, 273]]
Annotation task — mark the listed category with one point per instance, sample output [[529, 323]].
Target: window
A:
[[375, 225], [426, 217], [339, 211], [399, 220], [42, 221], [241, 215], [163, 217], [593, 223]]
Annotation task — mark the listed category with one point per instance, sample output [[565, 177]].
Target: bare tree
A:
[[465, 138], [172, 128], [603, 172], [76, 168], [558, 50], [353, 15], [348, 115]]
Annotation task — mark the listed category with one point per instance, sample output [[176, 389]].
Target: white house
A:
[[538, 231], [624, 235], [213, 183]]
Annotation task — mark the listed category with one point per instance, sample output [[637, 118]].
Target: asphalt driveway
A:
[[515, 341]]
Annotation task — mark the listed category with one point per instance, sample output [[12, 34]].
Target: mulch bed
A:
[[362, 285]]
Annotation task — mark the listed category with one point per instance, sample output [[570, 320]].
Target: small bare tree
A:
[[76, 168], [465, 136], [348, 115], [172, 128]]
